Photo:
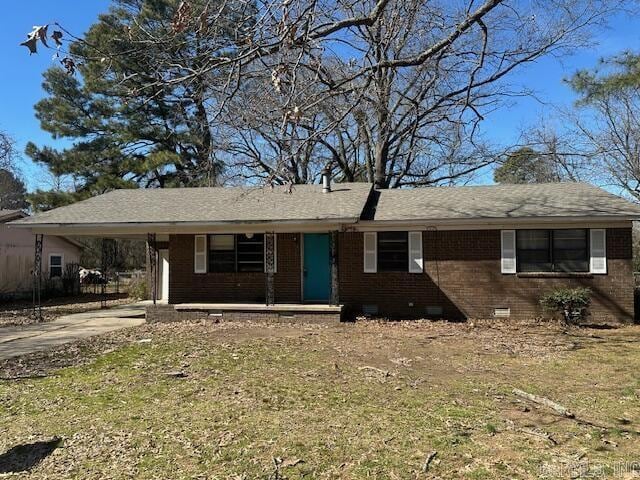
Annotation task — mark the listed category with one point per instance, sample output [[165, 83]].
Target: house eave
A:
[[141, 229], [490, 223]]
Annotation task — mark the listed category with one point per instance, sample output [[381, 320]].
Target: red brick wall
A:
[[186, 286], [287, 280], [462, 274]]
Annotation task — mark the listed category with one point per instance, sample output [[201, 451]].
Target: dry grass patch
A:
[[370, 400]]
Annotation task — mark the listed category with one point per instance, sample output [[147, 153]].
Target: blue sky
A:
[[21, 78]]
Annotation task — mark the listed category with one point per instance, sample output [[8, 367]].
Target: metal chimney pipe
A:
[[326, 181]]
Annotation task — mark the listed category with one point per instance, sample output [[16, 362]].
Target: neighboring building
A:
[[312, 252], [17, 250]]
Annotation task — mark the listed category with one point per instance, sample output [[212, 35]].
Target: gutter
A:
[[488, 222], [185, 227]]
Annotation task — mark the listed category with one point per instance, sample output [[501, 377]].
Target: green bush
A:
[[138, 288], [570, 303]]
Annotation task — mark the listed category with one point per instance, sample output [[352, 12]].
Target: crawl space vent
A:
[[502, 312], [370, 309], [434, 311]]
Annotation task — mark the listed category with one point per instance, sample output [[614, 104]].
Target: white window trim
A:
[[372, 268], [204, 253], [61, 255], [416, 259], [592, 269], [504, 269]]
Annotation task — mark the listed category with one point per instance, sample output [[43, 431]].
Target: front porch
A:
[[239, 312], [295, 269]]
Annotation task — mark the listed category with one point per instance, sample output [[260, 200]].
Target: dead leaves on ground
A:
[[257, 356]]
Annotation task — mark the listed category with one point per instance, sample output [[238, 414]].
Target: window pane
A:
[[393, 252], [532, 261], [533, 253], [571, 266], [570, 239], [55, 266], [570, 252], [251, 253], [222, 261], [236, 253], [533, 239], [221, 242], [222, 253]]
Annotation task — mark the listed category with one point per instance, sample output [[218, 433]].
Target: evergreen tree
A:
[[124, 135], [609, 121], [525, 165], [619, 74]]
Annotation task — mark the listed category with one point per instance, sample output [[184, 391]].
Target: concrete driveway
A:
[[21, 340]]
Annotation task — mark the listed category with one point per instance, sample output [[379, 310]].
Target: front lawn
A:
[[364, 400]]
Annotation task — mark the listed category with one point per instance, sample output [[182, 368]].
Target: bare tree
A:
[[401, 102], [609, 132], [387, 91], [7, 152]]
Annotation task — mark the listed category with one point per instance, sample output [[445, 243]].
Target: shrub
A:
[[570, 303], [138, 288]]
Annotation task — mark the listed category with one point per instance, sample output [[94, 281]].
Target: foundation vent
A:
[[502, 312], [370, 309], [434, 311]]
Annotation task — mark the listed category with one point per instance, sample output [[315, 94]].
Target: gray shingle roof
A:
[[502, 202], [6, 215], [346, 202], [212, 205]]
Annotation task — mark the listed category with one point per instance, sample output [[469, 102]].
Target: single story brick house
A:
[[315, 252]]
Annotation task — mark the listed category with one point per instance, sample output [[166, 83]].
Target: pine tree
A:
[[526, 165], [124, 134]]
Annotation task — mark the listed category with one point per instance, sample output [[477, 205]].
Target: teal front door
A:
[[317, 268]]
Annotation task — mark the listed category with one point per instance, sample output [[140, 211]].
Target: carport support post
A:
[[153, 269], [270, 267], [109, 254], [37, 277], [333, 252]]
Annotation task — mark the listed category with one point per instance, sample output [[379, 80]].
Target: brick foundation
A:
[[168, 313]]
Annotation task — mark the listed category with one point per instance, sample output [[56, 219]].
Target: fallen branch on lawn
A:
[[34, 376], [384, 373], [544, 435], [428, 461], [561, 410]]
